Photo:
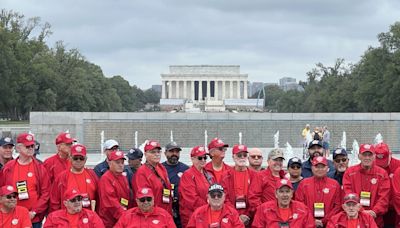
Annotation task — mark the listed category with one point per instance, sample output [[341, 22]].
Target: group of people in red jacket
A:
[[64, 193]]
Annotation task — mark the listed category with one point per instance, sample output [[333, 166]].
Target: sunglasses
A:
[[202, 158], [338, 160], [76, 199], [256, 157], [222, 149], [295, 167], [80, 158], [216, 195], [11, 196], [30, 147], [143, 199], [242, 155]]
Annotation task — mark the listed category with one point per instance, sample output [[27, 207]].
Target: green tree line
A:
[[370, 85], [36, 77]]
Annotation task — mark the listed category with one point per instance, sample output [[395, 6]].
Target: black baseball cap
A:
[[294, 160], [134, 153], [172, 145], [339, 151], [315, 142], [6, 141]]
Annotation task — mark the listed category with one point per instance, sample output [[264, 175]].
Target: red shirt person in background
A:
[[30, 179], [114, 192], [153, 175], [73, 215], [194, 184], [370, 182], [78, 177], [217, 166], [283, 211], [59, 162], [320, 193], [236, 183], [145, 214], [11, 214]]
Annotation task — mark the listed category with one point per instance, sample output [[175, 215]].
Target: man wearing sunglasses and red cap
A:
[[73, 215], [194, 184], [11, 214], [30, 179], [217, 166], [59, 162], [146, 214], [78, 177], [237, 182]]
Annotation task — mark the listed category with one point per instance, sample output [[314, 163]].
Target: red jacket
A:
[[228, 183], [340, 220], [112, 189], [42, 186], [376, 181], [60, 186], [396, 192], [210, 169], [134, 218], [193, 190], [145, 177], [229, 218], [20, 216], [267, 215], [326, 190], [87, 219], [55, 166], [263, 188]]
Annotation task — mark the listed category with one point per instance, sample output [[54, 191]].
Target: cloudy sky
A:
[[269, 39]]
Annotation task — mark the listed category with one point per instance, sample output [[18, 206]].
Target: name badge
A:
[[124, 202], [284, 225], [173, 190], [214, 225], [85, 202], [166, 195], [365, 199], [22, 190], [319, 210], [240, 202]]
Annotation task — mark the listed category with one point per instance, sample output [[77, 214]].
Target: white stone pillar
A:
[[216, 90], [177, 89], [185, 90], [170, 90], [208, 89], [223, 90], [200, 91], [192, 90], [163, 94], [238, 90], [245, 95], [231, 89]]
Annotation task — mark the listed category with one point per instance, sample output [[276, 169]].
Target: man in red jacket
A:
[[11, 214], [145, 214], [320, 193], [284, 211], [59, 162], [216, 213], [78, 177], [263, 188], [396, 193], [351, 216], [153, 175], [29, 178], [370, 182], [114, 192], [73, 215], [236, 183], [217, 166]]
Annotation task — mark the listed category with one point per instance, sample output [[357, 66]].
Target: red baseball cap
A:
[[382, 152], [78, 149], [351, 197], [319, 160], [239, 148], [144, 192], [198, 151], [116, 155], [72, 193], [26, 138], [283, 182], [64, 137], [7, 190], [367, 148], [151, 145], [215, 143]]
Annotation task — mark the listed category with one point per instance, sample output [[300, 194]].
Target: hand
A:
[[32, 214], [245, 219], [371, 212], [318, 223]]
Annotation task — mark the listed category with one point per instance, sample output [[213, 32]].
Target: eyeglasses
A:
[[338, 160], [80, 158], [216, 195], [30, 147], [11, 196], [241, 155], [295, 166], [76, 199], [154, 151], [202, 158], [256, 157], [143, 199]]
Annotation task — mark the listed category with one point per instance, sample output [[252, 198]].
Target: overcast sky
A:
[[269, 39]]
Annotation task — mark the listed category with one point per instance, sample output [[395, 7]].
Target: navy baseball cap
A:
[[294, 160], [6, 141], [315, 142], [339, 151], [134, 153]]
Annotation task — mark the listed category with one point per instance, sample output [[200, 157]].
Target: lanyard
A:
[[158, 175]]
